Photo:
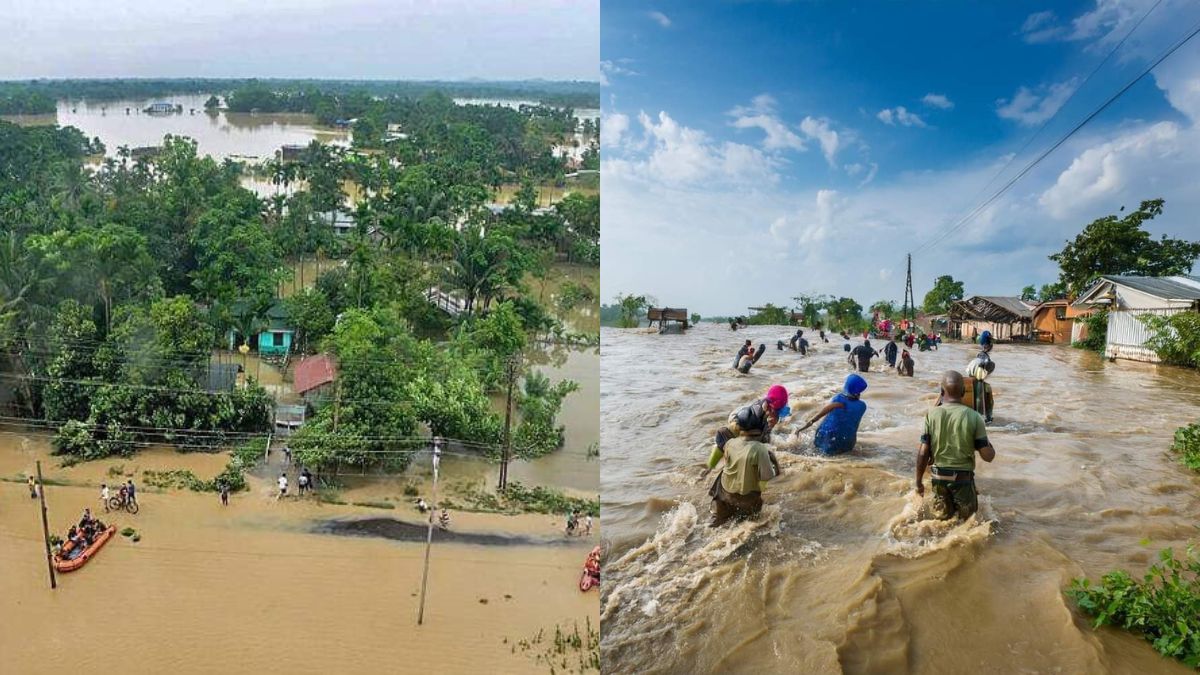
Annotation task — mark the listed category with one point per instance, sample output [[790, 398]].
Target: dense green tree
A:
[[1112, 245], [945, 291]]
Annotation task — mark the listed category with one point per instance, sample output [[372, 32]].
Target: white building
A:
[[1127, 298]]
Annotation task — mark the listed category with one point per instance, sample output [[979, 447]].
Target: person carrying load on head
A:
[[749, 464], [762, 414], [978, 370], [839, 432], [953, 434]]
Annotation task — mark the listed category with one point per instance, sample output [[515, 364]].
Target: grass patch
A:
[[1164, 606], [330, 496], [1187, 444], [410, 490], [116, 471], [568, 650], [520, 499], [128, 532]]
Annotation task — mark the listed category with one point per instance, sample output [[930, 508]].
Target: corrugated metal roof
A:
[[313, 372], [1012, 304], [1179, 287]]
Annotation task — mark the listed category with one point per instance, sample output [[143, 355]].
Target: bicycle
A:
[[116, 504]]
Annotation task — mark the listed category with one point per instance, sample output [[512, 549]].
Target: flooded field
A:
[[220, 134], [841, 573], [263, 585]]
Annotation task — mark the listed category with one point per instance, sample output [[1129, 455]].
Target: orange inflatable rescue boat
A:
[[67, 564], [591, 571]]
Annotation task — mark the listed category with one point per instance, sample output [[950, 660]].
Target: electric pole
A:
[[910, 303], [437, 460], [41, 488], [512, 369]]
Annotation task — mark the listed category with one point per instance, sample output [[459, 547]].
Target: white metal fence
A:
[[1127, 335]]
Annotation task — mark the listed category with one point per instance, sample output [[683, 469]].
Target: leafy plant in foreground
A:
[[1164, 606]]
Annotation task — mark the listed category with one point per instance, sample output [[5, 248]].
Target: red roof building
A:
[[313, 372]]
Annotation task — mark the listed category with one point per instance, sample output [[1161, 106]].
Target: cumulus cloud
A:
[[760, 114], [1030, 107], [937, 101], [900, 115], [660, 18], [671, 153], [613, 128], [824, 134], [1104, 23], [1101, 171]]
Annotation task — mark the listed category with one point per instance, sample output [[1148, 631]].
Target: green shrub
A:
[[1097, 332], [375, 505], [519, 499], [1175, 338], [1187, 443], [1164, 606], [116, 471], [128, 532], [410, 490]]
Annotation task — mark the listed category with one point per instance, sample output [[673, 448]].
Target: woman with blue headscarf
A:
[[839, 432]]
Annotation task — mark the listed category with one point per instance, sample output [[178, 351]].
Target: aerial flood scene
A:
[[299, 348], [900, 334]]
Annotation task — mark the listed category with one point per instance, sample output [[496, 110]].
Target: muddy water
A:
[[842, 573], [255, 587], [222, 134]]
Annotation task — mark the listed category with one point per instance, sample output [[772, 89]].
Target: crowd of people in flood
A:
[[954, 431]]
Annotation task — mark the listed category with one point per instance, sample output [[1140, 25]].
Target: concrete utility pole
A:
[[512, 369], [41, 488], [437, 460]]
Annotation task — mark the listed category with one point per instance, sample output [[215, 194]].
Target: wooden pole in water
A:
[[437, 456], [45, 526], [511, 372]]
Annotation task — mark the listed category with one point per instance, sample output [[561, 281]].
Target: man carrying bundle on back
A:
[[749, 464], [953, 434]]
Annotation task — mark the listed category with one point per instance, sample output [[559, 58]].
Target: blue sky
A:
[[781, 147]]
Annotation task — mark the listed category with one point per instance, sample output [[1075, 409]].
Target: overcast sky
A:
[[353, 39]]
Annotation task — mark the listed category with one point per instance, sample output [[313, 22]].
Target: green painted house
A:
[[275, 338]]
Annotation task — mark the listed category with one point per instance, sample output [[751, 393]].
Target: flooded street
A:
[[840, 573], [261, 586]]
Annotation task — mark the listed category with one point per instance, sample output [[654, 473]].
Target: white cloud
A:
[[608, 68], [900, 115], [1105, 23], [823, 133], [660, 18], [937, 101], [760, 114], [1101, 171], [670, 153], [613, 127], [1030, 107], [885, 273]]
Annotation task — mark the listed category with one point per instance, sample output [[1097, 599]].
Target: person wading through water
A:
[[889, 353], [749, 464], [906, 365], [763, 415], [747, 348], [862, 354], [839, 432], [953, 434], [747, 361]]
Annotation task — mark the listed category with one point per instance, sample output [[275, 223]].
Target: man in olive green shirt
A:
[[953, 434], [737, 491]]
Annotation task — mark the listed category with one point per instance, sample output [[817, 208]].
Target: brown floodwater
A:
[[842, 572], [259, 586], [221, 134]]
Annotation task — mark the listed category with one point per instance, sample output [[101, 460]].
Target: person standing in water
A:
[[749, 464], [746, 348], [863, 354], [747, 361], [763, 414], [839, 432], [906, 364], [889, 353], [32, 487], [953, 434]]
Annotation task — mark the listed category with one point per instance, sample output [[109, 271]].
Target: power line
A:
[[979, 209], [1062, 107]]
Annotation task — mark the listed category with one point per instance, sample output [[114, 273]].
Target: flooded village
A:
[[269, 319]]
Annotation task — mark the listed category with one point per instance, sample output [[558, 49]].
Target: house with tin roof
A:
[[1127, 298]]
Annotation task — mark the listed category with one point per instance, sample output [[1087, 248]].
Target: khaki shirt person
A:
[[953, 435]]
